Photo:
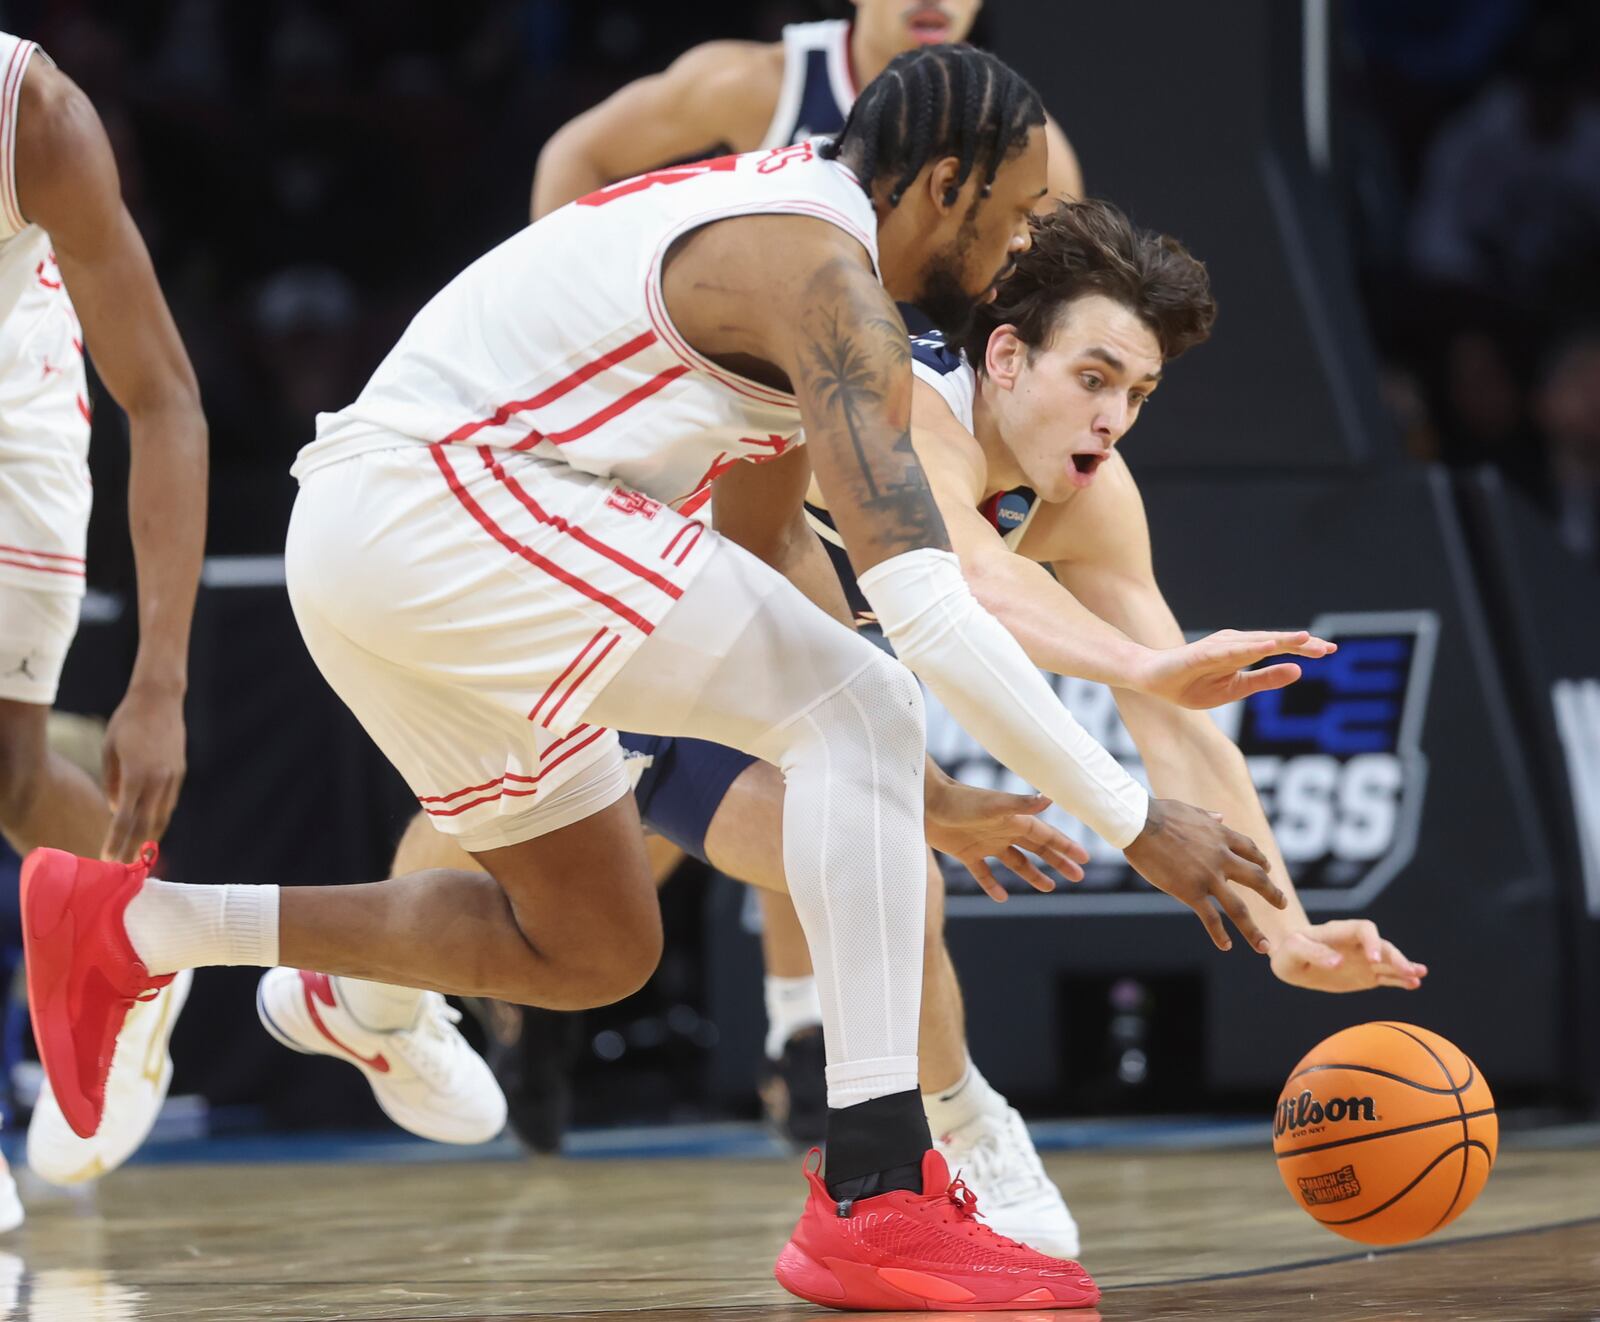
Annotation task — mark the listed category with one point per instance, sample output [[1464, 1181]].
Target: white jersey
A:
[[44, 395], [558, 341], [818, 85]]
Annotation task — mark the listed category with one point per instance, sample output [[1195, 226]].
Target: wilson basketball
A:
[[1385, 1132]]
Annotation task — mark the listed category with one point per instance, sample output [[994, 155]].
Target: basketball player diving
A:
[[486, 563], [722, 805], [69, 249]]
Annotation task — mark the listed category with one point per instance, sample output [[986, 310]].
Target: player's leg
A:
[[976, 1129], [44, 798], [855, 860], [48, 799]]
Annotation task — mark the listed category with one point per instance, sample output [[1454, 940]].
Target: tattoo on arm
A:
[[855, 381]]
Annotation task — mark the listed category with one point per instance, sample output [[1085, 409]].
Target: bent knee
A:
[[623, 970], [891, 698], [600, 972]]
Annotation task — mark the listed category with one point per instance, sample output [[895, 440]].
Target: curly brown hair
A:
[[1090, 247]]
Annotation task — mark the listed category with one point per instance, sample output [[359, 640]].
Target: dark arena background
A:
[[1392, 439]]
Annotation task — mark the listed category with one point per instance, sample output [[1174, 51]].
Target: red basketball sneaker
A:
[[906, 1252], [83, 974]]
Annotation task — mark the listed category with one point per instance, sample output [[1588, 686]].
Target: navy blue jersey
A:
[[818, 88]]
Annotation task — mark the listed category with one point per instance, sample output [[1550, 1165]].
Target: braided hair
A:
[[950, 100]]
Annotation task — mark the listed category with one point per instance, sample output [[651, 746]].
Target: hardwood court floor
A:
[[1172, 1236]]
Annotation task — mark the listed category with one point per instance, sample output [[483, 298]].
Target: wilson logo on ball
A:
[[1298, 1112]]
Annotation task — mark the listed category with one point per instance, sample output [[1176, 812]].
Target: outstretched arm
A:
[[717, 95], [1058, 632], [1107, 564], [840, 340], [67, 183]]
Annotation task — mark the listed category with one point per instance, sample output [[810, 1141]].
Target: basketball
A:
[[1385, 1132]]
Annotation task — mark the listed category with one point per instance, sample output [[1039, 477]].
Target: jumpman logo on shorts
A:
[[22, 670]]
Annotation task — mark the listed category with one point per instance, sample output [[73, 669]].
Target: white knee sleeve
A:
[[854, 856], [745, 660]]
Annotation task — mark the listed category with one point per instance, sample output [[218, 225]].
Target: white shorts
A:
[[36, 629], [467, 605], [45, 493]]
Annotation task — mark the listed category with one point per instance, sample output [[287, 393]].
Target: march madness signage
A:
[[1336, 758]]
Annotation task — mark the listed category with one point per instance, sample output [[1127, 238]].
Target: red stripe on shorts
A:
[[499, 780], [552, 393], [43, 555], [538, 561], [571, 665], [42, 569], [578, 534], [573, 687], [615, 409]]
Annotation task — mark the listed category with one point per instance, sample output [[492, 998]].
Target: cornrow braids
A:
[[951, 100], [1090, 247]]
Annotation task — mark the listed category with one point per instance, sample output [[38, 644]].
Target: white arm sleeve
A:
[[982, 675]]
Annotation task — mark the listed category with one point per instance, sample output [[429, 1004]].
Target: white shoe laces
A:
[[431, 1045], [1000, 1160]]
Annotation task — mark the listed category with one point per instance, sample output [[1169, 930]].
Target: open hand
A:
[[975, 825], [1215, 670], [144, 767], [1191, 855], [1345, 955]]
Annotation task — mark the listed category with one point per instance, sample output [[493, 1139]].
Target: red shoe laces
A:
[[959, 1208]]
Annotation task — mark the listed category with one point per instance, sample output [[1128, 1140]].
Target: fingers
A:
[[979, 868], [1255, 877], [1239, 912], [1314, 952], [1208, 915], [1265, 679], [1058, 849], [1042, 838], [1025, 868], [1258, 644], [123, 837], [1064, 864], [1244, 847]]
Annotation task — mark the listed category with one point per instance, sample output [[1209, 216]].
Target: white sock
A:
[[950, 1108], [174, 926], [379, 1007], [792, 1004]]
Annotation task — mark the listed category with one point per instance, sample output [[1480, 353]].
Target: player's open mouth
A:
[[1085, 465], [929, 27]]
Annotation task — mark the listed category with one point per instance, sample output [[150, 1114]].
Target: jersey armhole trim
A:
[[781, 126], [10, 97], [656, 303]]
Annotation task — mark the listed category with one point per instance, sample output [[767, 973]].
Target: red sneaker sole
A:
[[855, 1286], [49, 877]]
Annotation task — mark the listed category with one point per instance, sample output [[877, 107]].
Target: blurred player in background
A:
[[69, 250], [736, 96]]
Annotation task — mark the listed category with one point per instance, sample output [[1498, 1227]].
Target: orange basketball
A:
[[1385, 1132]]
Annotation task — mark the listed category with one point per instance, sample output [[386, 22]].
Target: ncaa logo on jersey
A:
[[1011, 510], [1336, 759]]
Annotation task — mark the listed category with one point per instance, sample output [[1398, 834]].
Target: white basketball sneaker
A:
[[141, 1073], [994, 1155], [10, 1212], [425, 1077]]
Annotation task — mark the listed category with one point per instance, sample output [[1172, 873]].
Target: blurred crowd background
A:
[[308, 172], [1472, 130]]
